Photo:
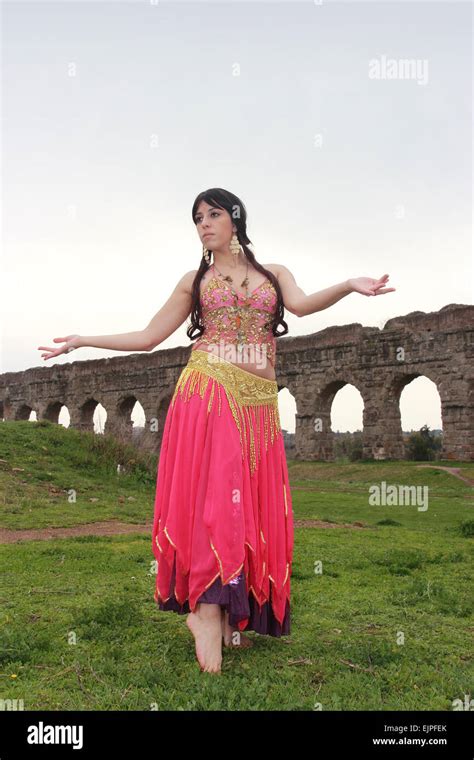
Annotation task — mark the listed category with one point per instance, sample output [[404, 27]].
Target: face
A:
[[214, 226]]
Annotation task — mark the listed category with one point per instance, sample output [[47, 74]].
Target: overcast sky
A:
[[116, 115]]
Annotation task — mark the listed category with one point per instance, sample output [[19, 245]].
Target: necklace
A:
[[239, 310], [244, 282]]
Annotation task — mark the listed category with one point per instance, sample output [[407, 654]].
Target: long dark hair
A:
[[226, 200]]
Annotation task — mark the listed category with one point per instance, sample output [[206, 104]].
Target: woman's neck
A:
[[227, 261]]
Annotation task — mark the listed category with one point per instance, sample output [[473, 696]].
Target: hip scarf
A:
[[244, 391]]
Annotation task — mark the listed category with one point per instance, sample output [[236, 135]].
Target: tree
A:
[[424, 444]]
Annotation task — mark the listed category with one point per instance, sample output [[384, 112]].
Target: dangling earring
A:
[[206, 255], [235, 246]]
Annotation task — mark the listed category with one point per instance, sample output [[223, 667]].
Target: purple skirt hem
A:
[[240, 605]]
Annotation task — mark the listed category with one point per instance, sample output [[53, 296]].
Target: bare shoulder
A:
[[186, 281], [274, 269], [282, 272]]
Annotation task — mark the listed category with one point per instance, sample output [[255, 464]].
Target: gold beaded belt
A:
[[242, 388]]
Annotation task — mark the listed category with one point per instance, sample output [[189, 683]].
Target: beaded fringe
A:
[[244, 392]]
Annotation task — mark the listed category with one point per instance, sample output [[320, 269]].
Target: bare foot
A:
[[232, 636], [205, 625]]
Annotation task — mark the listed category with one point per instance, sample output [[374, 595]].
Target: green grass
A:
[[387, 625], [63, 470]]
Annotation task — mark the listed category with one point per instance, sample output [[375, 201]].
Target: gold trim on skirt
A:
[[244, 390]]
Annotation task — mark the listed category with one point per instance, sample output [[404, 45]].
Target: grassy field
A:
[[386, 625]]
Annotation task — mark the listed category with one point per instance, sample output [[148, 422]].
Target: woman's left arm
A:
[[296, 300]]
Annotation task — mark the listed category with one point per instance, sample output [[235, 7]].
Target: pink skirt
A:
[[223, 518]]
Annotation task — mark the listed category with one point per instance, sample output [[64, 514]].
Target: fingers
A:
[[53, 350], [379, 291]]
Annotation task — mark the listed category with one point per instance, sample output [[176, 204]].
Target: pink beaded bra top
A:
[[224, 322]]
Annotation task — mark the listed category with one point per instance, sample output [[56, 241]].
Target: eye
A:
[[197, 219]]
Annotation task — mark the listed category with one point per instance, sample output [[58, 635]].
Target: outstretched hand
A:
[[68, 346], [370, 287]]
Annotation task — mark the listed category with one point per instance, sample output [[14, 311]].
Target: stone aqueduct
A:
[[378, 362]]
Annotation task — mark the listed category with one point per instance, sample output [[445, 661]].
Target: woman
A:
[[223, 520]]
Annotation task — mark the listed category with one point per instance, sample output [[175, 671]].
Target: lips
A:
[[208, 234]]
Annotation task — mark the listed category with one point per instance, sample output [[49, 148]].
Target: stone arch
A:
[[52, 411], [23, 412], [347, 435], [119, 418], [119, 421], [383, 434], [433, 389], [82, 416], [315, 438], [356, 398]]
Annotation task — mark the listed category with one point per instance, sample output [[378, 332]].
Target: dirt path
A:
[[324, 524], [114, 528], [106, 528], [452, 471]]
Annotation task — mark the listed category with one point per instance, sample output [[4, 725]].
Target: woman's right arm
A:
[[174, 312]]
